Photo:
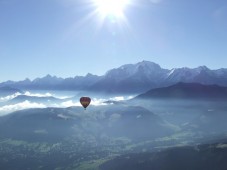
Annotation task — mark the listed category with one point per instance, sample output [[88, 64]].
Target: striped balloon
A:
[[85, 101]]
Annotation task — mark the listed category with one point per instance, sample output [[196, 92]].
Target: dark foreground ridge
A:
[[202, 157], [187, 91]]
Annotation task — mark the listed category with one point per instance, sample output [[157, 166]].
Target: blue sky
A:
[[67, 38]]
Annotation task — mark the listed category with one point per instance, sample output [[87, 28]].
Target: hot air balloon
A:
[[85, 101]]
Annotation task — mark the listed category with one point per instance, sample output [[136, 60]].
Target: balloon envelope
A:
[[85, 101]]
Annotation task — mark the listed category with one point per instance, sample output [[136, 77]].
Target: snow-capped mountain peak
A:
[[145, 67], [128, 78]]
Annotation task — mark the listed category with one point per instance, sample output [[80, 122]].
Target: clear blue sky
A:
[[67, 38]]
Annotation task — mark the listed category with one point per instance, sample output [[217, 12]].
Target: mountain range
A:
[[129, 78], [7, 90]]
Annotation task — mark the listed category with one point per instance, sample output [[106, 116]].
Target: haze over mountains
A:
[[201, 157], [178, 112], [129, 78]]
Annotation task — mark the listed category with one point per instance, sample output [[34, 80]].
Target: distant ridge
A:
[[7, 90], [129, 78], [187, 91]]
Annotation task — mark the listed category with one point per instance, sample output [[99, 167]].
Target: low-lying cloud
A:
[[6, 109], [69, 103], [27, 93], [121, 98], [19, 106], [6, 98]]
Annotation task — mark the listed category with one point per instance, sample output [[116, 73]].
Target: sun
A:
[[113, 8]]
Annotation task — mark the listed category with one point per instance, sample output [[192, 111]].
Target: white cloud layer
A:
[[27, 93], [120, 98], [6, 98], [98, 102], [69, 103], [6, 109], [19, 106]]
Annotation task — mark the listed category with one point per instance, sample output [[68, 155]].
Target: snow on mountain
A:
[[180, 74], [48, 79], [129, 78], [147, 75], [145, 67], [132, 78], [201, 74], [183, 74]]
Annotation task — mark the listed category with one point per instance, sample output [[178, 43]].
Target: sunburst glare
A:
[[114, 8], [110, 10]]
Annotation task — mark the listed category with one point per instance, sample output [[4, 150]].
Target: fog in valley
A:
[[51, 130]]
